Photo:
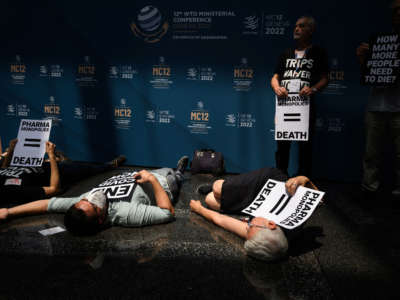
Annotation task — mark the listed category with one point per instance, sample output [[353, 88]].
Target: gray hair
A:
[[267, 244], [310, 21]]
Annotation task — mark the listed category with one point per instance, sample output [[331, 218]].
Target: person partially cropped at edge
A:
[[382, 120], [23, 184]]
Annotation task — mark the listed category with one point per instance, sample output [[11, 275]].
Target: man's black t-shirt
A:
[[308, 69], [240, 190], [24, 183]]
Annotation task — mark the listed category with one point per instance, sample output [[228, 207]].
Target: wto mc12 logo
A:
[[150, 26]]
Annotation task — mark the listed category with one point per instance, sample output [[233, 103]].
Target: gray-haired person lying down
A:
[[264, 239]]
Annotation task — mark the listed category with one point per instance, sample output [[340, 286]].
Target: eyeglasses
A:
[[271, 224]]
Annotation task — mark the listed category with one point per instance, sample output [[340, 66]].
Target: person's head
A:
[[304, 29], [88, 215], [265, 243], [396, 15]]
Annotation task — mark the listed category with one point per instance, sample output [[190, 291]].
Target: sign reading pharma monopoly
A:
[[274, 203], [292, 114], [30, 148]]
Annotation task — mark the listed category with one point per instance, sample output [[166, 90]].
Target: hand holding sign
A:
[[50, 147], [281, 92], [381, 65], [30, 149], [274, 203], [293, 183], [143, 176]]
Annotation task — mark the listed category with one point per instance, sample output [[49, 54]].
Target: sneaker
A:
[[204, 189], [118, 161], [182, 164]]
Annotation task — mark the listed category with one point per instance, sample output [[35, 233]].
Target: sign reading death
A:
[[292, 118], [30, 148], [275, 204]]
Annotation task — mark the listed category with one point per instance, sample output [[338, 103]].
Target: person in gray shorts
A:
[[128, 199]]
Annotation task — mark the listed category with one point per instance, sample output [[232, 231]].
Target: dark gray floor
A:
[[345, 252]]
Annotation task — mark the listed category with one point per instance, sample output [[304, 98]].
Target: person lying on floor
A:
[[264, 239], [55, 175], [128, 199]]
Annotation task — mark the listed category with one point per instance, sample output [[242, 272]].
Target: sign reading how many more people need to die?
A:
[[383, 63], [31, 146]]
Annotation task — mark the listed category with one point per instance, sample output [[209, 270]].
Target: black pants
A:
[[305, 152]]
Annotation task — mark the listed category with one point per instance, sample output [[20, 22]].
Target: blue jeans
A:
[[174, 180]]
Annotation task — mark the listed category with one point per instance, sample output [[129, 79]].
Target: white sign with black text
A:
[[292, 118], [118, 187], [275, 204], [31, 146]]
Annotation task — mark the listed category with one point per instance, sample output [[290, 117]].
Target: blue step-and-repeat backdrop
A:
[[155, 80]]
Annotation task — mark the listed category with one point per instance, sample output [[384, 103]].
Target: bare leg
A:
[[213, 199]]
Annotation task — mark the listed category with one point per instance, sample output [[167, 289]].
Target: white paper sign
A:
[[294, 86], [117, 188], [275, 204], [292, 118], [31, 146], [51, 231]]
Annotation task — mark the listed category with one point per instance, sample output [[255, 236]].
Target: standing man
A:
[[309, 64], [382, 119]]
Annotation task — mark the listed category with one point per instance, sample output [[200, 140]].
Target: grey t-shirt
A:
[[139, 211]]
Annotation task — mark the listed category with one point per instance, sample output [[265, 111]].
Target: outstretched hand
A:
[[195, 205]]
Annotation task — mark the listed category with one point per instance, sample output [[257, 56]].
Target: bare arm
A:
[[231, 224], [54, 173], [31, 208], [10, 152], [161, 196], [279, 90]]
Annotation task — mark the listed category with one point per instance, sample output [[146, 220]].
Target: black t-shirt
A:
[[24, 183], [308, 69], [240, 190]]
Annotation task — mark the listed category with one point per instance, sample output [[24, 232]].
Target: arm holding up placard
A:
[[10, 152], [54, 186]]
